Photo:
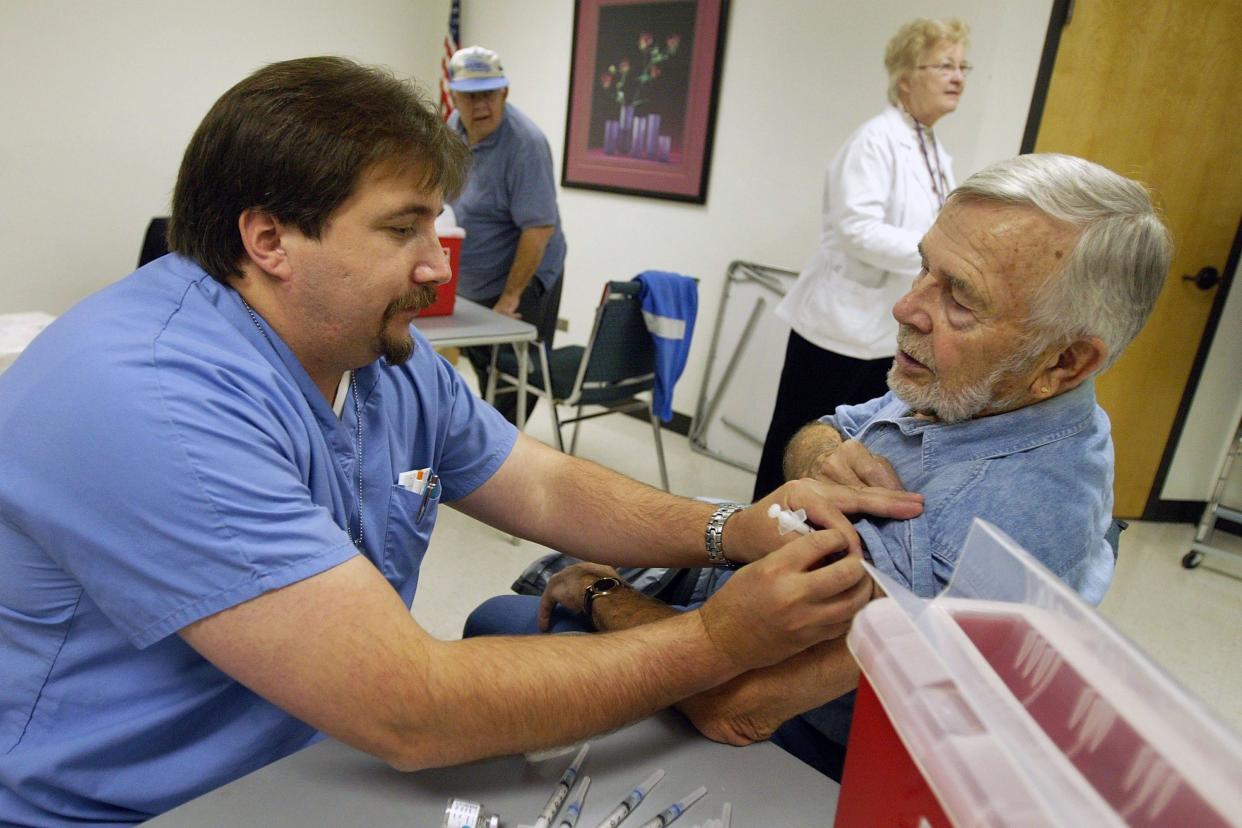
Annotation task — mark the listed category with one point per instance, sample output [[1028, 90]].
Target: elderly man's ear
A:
[[1067, 369]]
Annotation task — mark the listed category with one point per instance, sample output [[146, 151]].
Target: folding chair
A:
[[617, 363], [154, 243]]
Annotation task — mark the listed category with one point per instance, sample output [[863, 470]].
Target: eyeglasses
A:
[[947, 69]]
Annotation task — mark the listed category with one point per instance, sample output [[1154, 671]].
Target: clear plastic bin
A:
[[1023, 708]]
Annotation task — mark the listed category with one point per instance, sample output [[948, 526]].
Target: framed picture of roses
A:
[[643, 84]]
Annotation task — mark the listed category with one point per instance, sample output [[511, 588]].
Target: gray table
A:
[[472, 324], [330, 784]]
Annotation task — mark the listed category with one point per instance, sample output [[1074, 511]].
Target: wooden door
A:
[[1150, 89]]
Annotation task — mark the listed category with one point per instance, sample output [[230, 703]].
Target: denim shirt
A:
[[1043, 474]]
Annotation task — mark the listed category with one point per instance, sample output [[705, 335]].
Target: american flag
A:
[[452, 39]]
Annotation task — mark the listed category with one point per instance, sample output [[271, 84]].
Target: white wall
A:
[[101, 96], [799, 76], [1213, 416]]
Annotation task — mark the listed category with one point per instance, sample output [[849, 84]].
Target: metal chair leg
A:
[[573, 441], [655, 428], [556, 425], [550, 395]]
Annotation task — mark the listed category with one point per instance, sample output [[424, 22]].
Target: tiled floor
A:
[[1186, 620]]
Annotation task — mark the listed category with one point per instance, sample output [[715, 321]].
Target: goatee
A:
[[397, 348]]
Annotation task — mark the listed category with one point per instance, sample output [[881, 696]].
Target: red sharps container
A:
[[1008, 701]]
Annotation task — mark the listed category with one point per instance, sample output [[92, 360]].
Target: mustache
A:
[[416, 300], [908, 340]]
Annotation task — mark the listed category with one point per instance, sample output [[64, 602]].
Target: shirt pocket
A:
[[406, 536]]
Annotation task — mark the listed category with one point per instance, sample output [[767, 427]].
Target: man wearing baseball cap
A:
[[513, 255]]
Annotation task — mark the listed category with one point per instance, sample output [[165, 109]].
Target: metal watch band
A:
[[714, 535]]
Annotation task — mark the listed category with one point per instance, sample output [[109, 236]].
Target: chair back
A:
[[619, 360], [155, 242]]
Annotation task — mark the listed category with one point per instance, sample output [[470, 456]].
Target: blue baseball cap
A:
[[475, 69]]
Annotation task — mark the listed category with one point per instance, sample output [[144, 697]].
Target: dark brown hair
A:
[[293, 139]]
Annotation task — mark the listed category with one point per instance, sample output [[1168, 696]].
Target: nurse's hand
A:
[[787, 602], [750, 534]]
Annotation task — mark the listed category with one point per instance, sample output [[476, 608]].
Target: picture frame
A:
[[644, 80]]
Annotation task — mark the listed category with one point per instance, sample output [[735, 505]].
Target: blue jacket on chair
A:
[[670, 302]]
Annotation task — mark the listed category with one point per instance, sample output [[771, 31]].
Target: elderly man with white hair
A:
[[1035, 276]]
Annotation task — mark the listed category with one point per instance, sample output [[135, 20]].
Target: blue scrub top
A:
[[162, 461]]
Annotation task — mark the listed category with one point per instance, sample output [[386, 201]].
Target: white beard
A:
[[957, 405]]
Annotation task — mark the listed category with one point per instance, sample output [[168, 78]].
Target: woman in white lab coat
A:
[[881, 194]]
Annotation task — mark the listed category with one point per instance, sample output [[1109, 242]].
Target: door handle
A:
[[1205, 279]]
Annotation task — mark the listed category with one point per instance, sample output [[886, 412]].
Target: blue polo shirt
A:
[[163, 460], [511, 187]]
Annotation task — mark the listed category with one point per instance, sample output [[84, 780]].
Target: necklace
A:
[[353, 387]]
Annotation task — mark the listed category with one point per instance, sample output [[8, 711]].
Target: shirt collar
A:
[[999, 435], [907, 132], [274, 350]]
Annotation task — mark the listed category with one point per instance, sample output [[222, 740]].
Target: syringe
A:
[[631, 802], [787, 521], [574, 809], [562, 789], [675, 810]]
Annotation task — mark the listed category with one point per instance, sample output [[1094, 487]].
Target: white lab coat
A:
[[878, 203]]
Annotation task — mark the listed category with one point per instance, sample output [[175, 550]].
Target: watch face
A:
[[603, 585]]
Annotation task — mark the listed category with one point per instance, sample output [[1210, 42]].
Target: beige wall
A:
[[799, 76], [101, 96]]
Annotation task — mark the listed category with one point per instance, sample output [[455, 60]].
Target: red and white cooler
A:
[[1023, 709]]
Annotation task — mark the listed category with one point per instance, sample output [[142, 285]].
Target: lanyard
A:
[[940, 184]]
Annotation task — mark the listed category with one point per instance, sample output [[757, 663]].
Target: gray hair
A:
[[1112, 278], [912, 40]]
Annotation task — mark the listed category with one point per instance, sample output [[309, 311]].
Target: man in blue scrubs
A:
[[220, 474]]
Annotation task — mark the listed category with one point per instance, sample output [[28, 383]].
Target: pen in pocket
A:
[[431, 490]]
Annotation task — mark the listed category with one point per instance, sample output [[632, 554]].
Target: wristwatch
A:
[[600, 586], [713, 537]]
